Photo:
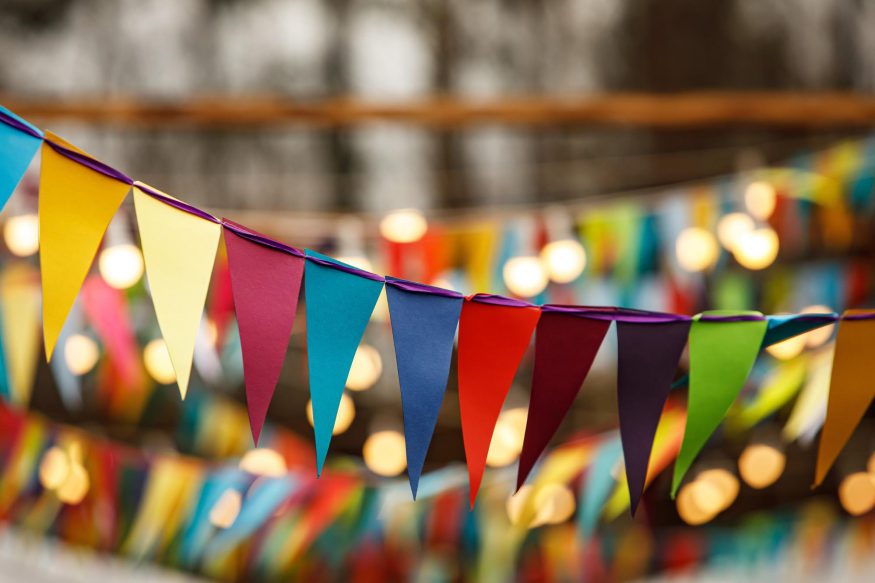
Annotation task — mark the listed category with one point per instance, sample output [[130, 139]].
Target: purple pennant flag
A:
[[565, 347], [423, 328], [646, 365]]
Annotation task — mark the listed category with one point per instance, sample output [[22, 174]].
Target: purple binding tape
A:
[[865, 316], [422, 288], [260, 239], [90, 162], [607, 313], [17, 124], [183, 206], [346, 268], [731, 318], [496, 300]]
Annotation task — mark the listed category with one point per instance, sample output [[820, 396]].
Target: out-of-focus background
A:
[[670, 155]]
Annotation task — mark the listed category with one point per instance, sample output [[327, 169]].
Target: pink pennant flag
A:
[[265, 283]]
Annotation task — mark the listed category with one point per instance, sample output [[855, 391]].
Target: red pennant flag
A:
[[494, 334], [265, 283], [565, 347]]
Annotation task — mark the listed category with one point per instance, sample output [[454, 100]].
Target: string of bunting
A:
[[79, 196]]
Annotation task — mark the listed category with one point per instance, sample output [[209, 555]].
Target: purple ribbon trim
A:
[[90, 162], [499, 301], [12, 121], [260, 239], [178, 204], [345, 268], [610, 314], [866, 316], [731, 318], [422, 288]]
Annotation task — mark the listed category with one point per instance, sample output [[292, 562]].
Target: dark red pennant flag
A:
[[493, 337], [565, 347], [265, 283]]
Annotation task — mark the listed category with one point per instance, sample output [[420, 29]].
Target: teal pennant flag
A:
[[339, 305], [17, 149]]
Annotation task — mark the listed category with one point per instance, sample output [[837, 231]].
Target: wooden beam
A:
[[670, 111]]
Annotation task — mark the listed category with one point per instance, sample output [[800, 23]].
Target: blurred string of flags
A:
[[266, 515], [697, 247]]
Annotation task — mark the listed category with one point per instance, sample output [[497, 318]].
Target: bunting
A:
[[423, 330], [565, 347], [493, 337], [178, 249], [648, 355], [17, 149], [339, 303], [851, 390], [723, 348], [76, 205], [265, 283]]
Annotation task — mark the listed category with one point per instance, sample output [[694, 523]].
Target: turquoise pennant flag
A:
[[339, 305], [596, 487], [784, 326], [16, 151]]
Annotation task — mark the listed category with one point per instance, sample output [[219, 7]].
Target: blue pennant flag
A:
[[16, 151], [423, 328], [339, 305]]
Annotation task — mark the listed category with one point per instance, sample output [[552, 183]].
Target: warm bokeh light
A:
[[760, 465], [75, 486], [403, 226], [857, 493], [696, 249], [81, 354], [725, 481], [224, 512], [358, 261], [345, 414], [525, 276], [554, 504], [367, 366], [870, 466], [564, 260], [760, 199], [712, 492], [731, 227], [757, 249], [121, 266], [384, 453], [819, 336], [54, 468], [21, 234], [507, 439], [263, 461], [789, 348], [157, 361], [688, 509]]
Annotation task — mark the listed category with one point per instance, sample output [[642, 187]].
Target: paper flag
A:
[[423, 329], [851, 389], [265, 283], [565, 347], [76, 205], [339, 305], [492, 341], [17, 149], [20, 303], [179, 249], [646, 365], [784, 326], [722, 354], [595, 488]]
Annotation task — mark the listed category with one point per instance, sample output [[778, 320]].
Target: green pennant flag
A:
[[723, 348]]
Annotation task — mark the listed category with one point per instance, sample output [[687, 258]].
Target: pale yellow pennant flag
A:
[[20, 302], [76, 205], [179, 250]]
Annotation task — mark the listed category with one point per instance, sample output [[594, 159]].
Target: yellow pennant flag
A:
[[179, 250], [76, 205], [20, 301]]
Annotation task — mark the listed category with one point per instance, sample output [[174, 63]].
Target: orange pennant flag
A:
[[851, 390], [76, 204]]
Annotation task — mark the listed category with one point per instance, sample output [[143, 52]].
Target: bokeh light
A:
[[696, 249], [367, 366], [525, 276], [403, 226], [760, 465], [345, 414], [564, 260], [760, 199], [263, 461], [121, 266], [757, 249], [80, 354], [157, 361], [21, 234], [384, 453]]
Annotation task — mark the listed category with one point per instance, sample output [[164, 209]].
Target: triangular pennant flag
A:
[[647, 360], [265, 283], [492, 340], [565, 347], [723, 348], [851, 390], [179, 249], [76, 205], [423, 329], [339, 305], [20, 307], [595, 488], [784, 326], [17, 149]]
